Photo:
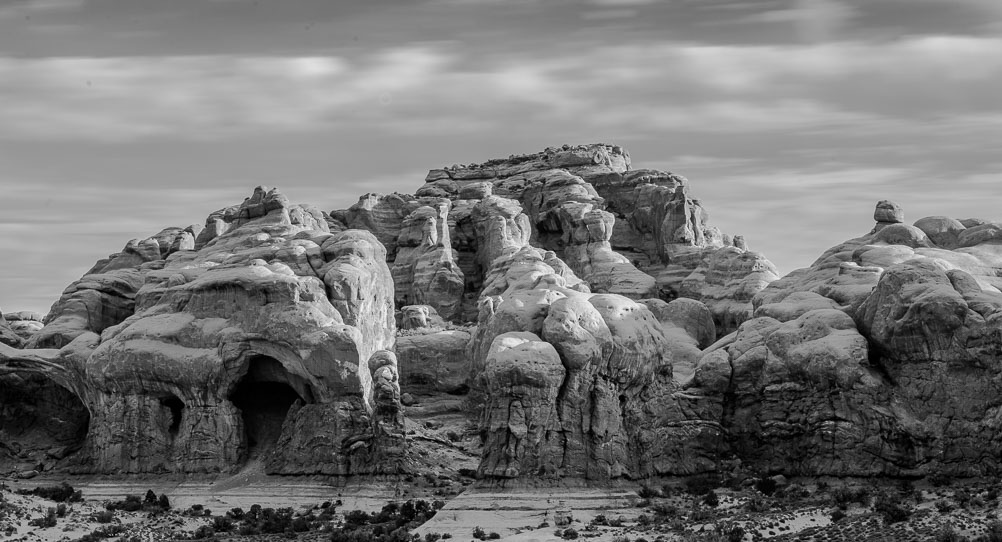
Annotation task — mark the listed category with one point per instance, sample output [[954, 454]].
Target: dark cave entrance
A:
[[264, 396], [175, 407], [40, 421]]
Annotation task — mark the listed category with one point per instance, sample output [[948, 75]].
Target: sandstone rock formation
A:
[[636, 233], [7, 335], [563, 372], [256, 345], [23, 323], [583, 315], [880, 358]]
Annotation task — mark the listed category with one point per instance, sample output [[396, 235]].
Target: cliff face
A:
[[583, 316]]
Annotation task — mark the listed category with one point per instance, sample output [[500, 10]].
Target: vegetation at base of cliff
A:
[[61, 493]]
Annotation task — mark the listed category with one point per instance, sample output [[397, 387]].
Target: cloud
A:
[[887, 89], [26, 8]]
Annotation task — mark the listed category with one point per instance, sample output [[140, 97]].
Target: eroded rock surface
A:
[[636, 233], [254, 346]]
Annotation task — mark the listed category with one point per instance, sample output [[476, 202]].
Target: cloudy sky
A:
[[790, 117]]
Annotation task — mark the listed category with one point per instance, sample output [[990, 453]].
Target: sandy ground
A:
[[518, 513]]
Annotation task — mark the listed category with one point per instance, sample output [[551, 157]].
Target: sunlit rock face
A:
[[880, 358], [563, 376], [584, 316], [271, 341], [636, 233]]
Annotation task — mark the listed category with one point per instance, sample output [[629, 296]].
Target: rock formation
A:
[[23, 323], [7, 335], [636, 233], [584, 316], [256, 345], [880, 358]]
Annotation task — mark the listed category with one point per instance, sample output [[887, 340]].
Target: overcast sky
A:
[[790, 117]]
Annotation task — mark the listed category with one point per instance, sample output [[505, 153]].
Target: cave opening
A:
[[264, 396], [175, 406], [40, 421]]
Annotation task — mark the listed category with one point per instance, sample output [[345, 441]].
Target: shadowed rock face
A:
[[238, 349]]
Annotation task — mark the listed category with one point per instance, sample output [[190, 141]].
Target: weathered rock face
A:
[[561, 370], [256, 345], [881, 358], [600, 295], [23, 323], [7, 335], [634, 233]]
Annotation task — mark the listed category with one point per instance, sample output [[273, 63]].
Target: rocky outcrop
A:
[[617, 335], [23, 323], [7, 335], [562, 371], [244, 348], [879, 359], [637, 233]]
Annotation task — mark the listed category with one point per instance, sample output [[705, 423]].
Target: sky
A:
[[791, 118]]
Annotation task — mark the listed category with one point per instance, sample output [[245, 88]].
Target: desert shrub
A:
[[236, 513], [61, 510], [700, 514], [248, 529], [766, 486], [479, 533], [493, 536], [665, 510], [104, 516], [711, 499], [222, 524], [648, 493], [620, 539], [962, 497], [756, 505], [843, 495], [300, 525], [733, 533], [569, 534], [947, 533], [48, 520], [163, 501], [131, 503], [150, 498], [102, 533], [891, 509], [838, 515], [61, 493], [356, 519], [944, 506], [432, 537], [993, 531], [205, 531]]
